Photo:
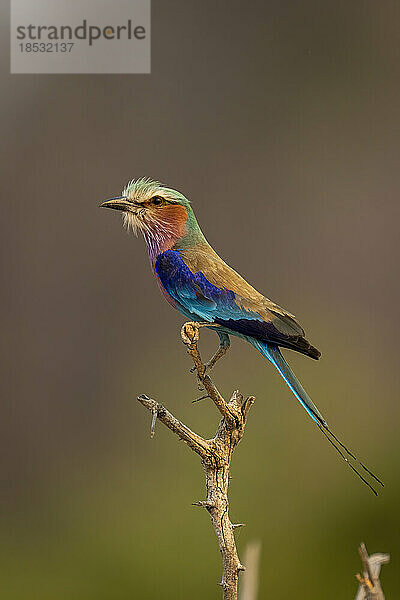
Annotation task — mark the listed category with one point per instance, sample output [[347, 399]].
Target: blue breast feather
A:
[[195, 296]]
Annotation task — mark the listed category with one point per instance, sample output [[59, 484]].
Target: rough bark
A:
[[216, 455]]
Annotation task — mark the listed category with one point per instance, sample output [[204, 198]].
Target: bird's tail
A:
[[273, 355]]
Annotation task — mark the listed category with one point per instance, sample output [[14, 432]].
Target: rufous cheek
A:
[[175, 217]]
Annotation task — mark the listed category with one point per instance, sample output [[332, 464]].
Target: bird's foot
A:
[[190, 337], [190, 332]]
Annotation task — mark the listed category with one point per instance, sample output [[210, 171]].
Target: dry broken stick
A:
[[250, 581], [370, 586], [215, 454]]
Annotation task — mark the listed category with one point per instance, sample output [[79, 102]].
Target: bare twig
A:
[[194, 441], [370, 586], [216, 455]]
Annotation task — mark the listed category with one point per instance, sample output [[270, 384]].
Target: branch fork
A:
[[370, 586], [215, 455]]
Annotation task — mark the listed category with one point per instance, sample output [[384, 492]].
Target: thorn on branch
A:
[[204, 504], [237, 525], [201, 398]]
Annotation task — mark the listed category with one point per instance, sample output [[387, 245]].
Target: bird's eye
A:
[[157, 200]]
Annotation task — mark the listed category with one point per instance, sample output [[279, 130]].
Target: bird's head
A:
[[162, 214]]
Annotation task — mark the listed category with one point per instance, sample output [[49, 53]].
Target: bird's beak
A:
[[118, 203]]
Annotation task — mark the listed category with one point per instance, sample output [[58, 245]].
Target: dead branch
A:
[[194, 441], [370, 585], [215, 454]]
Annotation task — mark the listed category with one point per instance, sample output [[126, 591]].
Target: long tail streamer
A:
[[273, 354]]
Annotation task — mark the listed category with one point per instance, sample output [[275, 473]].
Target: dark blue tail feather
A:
[[273, 355]]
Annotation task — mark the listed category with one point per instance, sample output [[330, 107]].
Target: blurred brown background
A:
[[280, 121]]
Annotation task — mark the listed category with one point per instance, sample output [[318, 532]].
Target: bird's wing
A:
[[197, 296], [218, 273]]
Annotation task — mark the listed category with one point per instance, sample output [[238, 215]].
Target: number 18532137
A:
[[46, 46]]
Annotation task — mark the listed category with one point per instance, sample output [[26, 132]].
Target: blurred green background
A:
[[280, 121]]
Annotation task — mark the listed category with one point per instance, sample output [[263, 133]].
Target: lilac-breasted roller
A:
[[201, 286]]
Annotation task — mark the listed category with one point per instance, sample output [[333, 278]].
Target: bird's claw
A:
[[194, 369], [190, 333], [200, 378], [200, 386]]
